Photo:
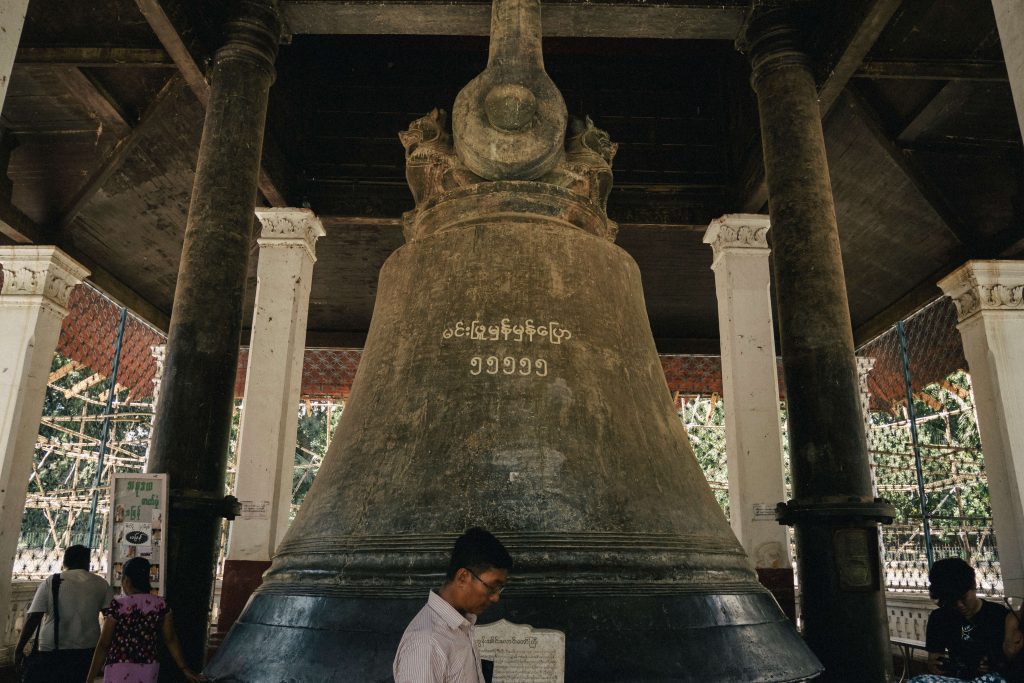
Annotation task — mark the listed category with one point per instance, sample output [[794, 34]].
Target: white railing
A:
[[908, 614], [22, 593]]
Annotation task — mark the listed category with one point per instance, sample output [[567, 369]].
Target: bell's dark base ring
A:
[[686, 637]]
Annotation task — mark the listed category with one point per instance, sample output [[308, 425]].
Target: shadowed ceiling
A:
[[106, 102]]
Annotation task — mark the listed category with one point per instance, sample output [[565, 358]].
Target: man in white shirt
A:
[[81, 595], [437, 646]]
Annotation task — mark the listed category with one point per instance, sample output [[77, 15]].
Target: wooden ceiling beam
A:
[[334, 222], [170, 37], [98, 103], [686, 347], [1007, 245], [23, 230], [117, 155], [948, 102], [92, 57], [670, 20], [933, 70], [973, 146], [852, 57], [874, 21], [964, 233]]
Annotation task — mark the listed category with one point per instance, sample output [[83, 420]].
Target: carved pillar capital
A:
[[253, 35], [290, 228], [747, 231], [39, 276], [981, 286]]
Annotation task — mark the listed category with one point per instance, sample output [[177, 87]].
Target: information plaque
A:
[[521, 653]]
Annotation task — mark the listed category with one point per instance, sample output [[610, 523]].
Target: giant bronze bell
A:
[[510, 380]]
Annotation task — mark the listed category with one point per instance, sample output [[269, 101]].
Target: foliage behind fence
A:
[[952, 470], [65, 497]]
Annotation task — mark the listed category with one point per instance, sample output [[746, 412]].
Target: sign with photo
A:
[[138, 517]]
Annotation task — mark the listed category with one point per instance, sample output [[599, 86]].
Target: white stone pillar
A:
[[12, 20], [33, 302], [750, 383], [1010, 22], [159, 354], [989, 298], [266, 446], [864, 368], [273, 383]]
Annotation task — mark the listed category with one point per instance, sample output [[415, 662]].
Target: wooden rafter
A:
[[117, 155], [22, 229], [91, 57], [946, 103], [667, 20], [863, 39], [963, 233], [934, 70], [117, 289], [179, 52], [1007, 244], [99, 104], [171, 39]]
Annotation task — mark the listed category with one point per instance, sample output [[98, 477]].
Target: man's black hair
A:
[[949, 579], [76, 557], [478, 550]]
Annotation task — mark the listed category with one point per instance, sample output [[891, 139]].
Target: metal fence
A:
[[926, 451], [96, 419], [87, 431]]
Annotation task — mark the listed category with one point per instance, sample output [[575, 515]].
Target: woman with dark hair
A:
[[127, 647]]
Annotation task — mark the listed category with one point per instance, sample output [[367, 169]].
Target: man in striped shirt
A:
[[437, 646]]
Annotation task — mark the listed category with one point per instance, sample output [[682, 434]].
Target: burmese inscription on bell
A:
[[521, 653]]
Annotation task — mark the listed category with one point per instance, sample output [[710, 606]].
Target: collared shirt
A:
[[82, 595], [437, 647]]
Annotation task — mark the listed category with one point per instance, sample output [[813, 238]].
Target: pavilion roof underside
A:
[[924, 148]]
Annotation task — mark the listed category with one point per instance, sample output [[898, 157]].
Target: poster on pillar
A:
[[137, 519]]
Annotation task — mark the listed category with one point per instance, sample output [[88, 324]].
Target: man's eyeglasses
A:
[[491, 590]]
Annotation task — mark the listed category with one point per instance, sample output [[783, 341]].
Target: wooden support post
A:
[[193, 416], [833, 511]]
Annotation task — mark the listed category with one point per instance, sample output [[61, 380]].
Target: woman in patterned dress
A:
[[127, 647]]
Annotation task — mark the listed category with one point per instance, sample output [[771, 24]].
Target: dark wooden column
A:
[[833, 511], [194, 412]]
